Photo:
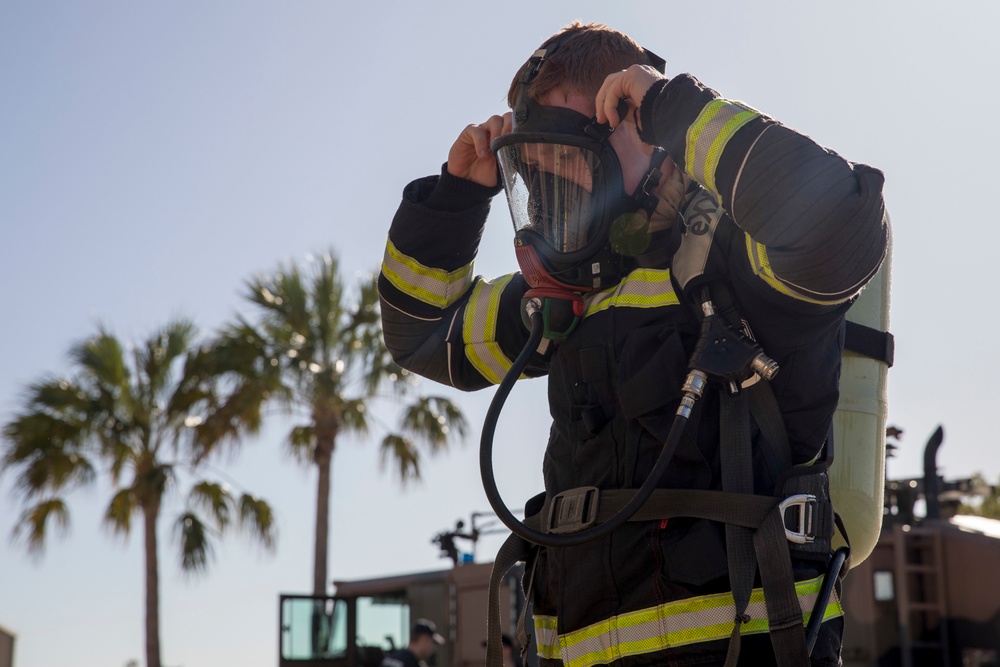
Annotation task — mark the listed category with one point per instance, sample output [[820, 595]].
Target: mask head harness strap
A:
[[643, 195]]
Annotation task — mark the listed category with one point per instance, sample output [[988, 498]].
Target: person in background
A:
[[424, 640]]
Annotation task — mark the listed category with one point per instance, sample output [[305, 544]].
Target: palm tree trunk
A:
[[149, 514], [324, 460]]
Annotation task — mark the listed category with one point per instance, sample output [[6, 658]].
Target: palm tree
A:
[[327, 349], [143, 424]]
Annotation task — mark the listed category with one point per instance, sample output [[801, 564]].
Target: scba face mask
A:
[[574, 224], [564, 189]]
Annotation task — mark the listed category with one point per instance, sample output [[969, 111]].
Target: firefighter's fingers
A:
[[470, 156], [484, 134], [498, 126], [630, 85], [611, 93]]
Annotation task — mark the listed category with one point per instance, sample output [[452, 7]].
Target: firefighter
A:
[[424, 640], [658, 227]]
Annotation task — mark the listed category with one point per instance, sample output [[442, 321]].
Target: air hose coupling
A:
[[694, 387], [764, 366], [532, 306]]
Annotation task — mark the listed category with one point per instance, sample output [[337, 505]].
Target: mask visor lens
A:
[[550, 190]]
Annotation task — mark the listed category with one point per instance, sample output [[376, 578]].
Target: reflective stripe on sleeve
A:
[[436, 287], [761, 266], [642, 288], [700, 619], [479, 329], [707, 138]]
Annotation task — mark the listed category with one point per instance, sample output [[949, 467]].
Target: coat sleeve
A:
[[438, 319], [816, 223]]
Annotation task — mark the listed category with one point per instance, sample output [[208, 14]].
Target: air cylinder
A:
[[857, 477]]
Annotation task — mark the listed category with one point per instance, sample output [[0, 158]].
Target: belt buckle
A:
[[806, 504], [573, 510]]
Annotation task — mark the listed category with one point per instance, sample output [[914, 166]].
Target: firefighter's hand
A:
[[630, 85], [470, 156]]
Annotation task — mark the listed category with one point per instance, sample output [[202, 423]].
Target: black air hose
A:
[[486, 458]]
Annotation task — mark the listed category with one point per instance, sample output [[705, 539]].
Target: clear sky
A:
[[153, 156]]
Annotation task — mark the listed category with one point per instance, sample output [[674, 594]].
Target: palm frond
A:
[[156, 356], [366, 315], [433, 419], [215, 499], [240, 412], [301, 443], [102, 360], [120, 510], [327, 303], [354, 415], [366, 342], [45, 451], [246, 378], [195, 542], [402, 454], [35, 521], [59, 396], [195, 384], [257, 518], [120, 454]]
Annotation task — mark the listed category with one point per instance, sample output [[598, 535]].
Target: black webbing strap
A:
[[737, 477], [523, 638], [513, 550], [774, 445], [735, 508], [869, 342], [784, 613], [738, 509]]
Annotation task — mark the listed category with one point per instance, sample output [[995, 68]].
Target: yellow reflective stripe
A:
[[642, 288], [700, 619], [479, 329], [707, 138], [436, 287], [761, 266], [547, 637]]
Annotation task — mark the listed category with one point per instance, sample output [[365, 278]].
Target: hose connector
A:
[[532, 306], [694, 387], [764, 366]]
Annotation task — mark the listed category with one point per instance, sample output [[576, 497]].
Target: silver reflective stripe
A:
[[436, 287], [547, 637], [701, 619], [707, 138], [479, 329], [642, 288]]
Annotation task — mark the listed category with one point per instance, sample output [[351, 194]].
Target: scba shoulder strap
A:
[[700, 219], [740, 408]]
